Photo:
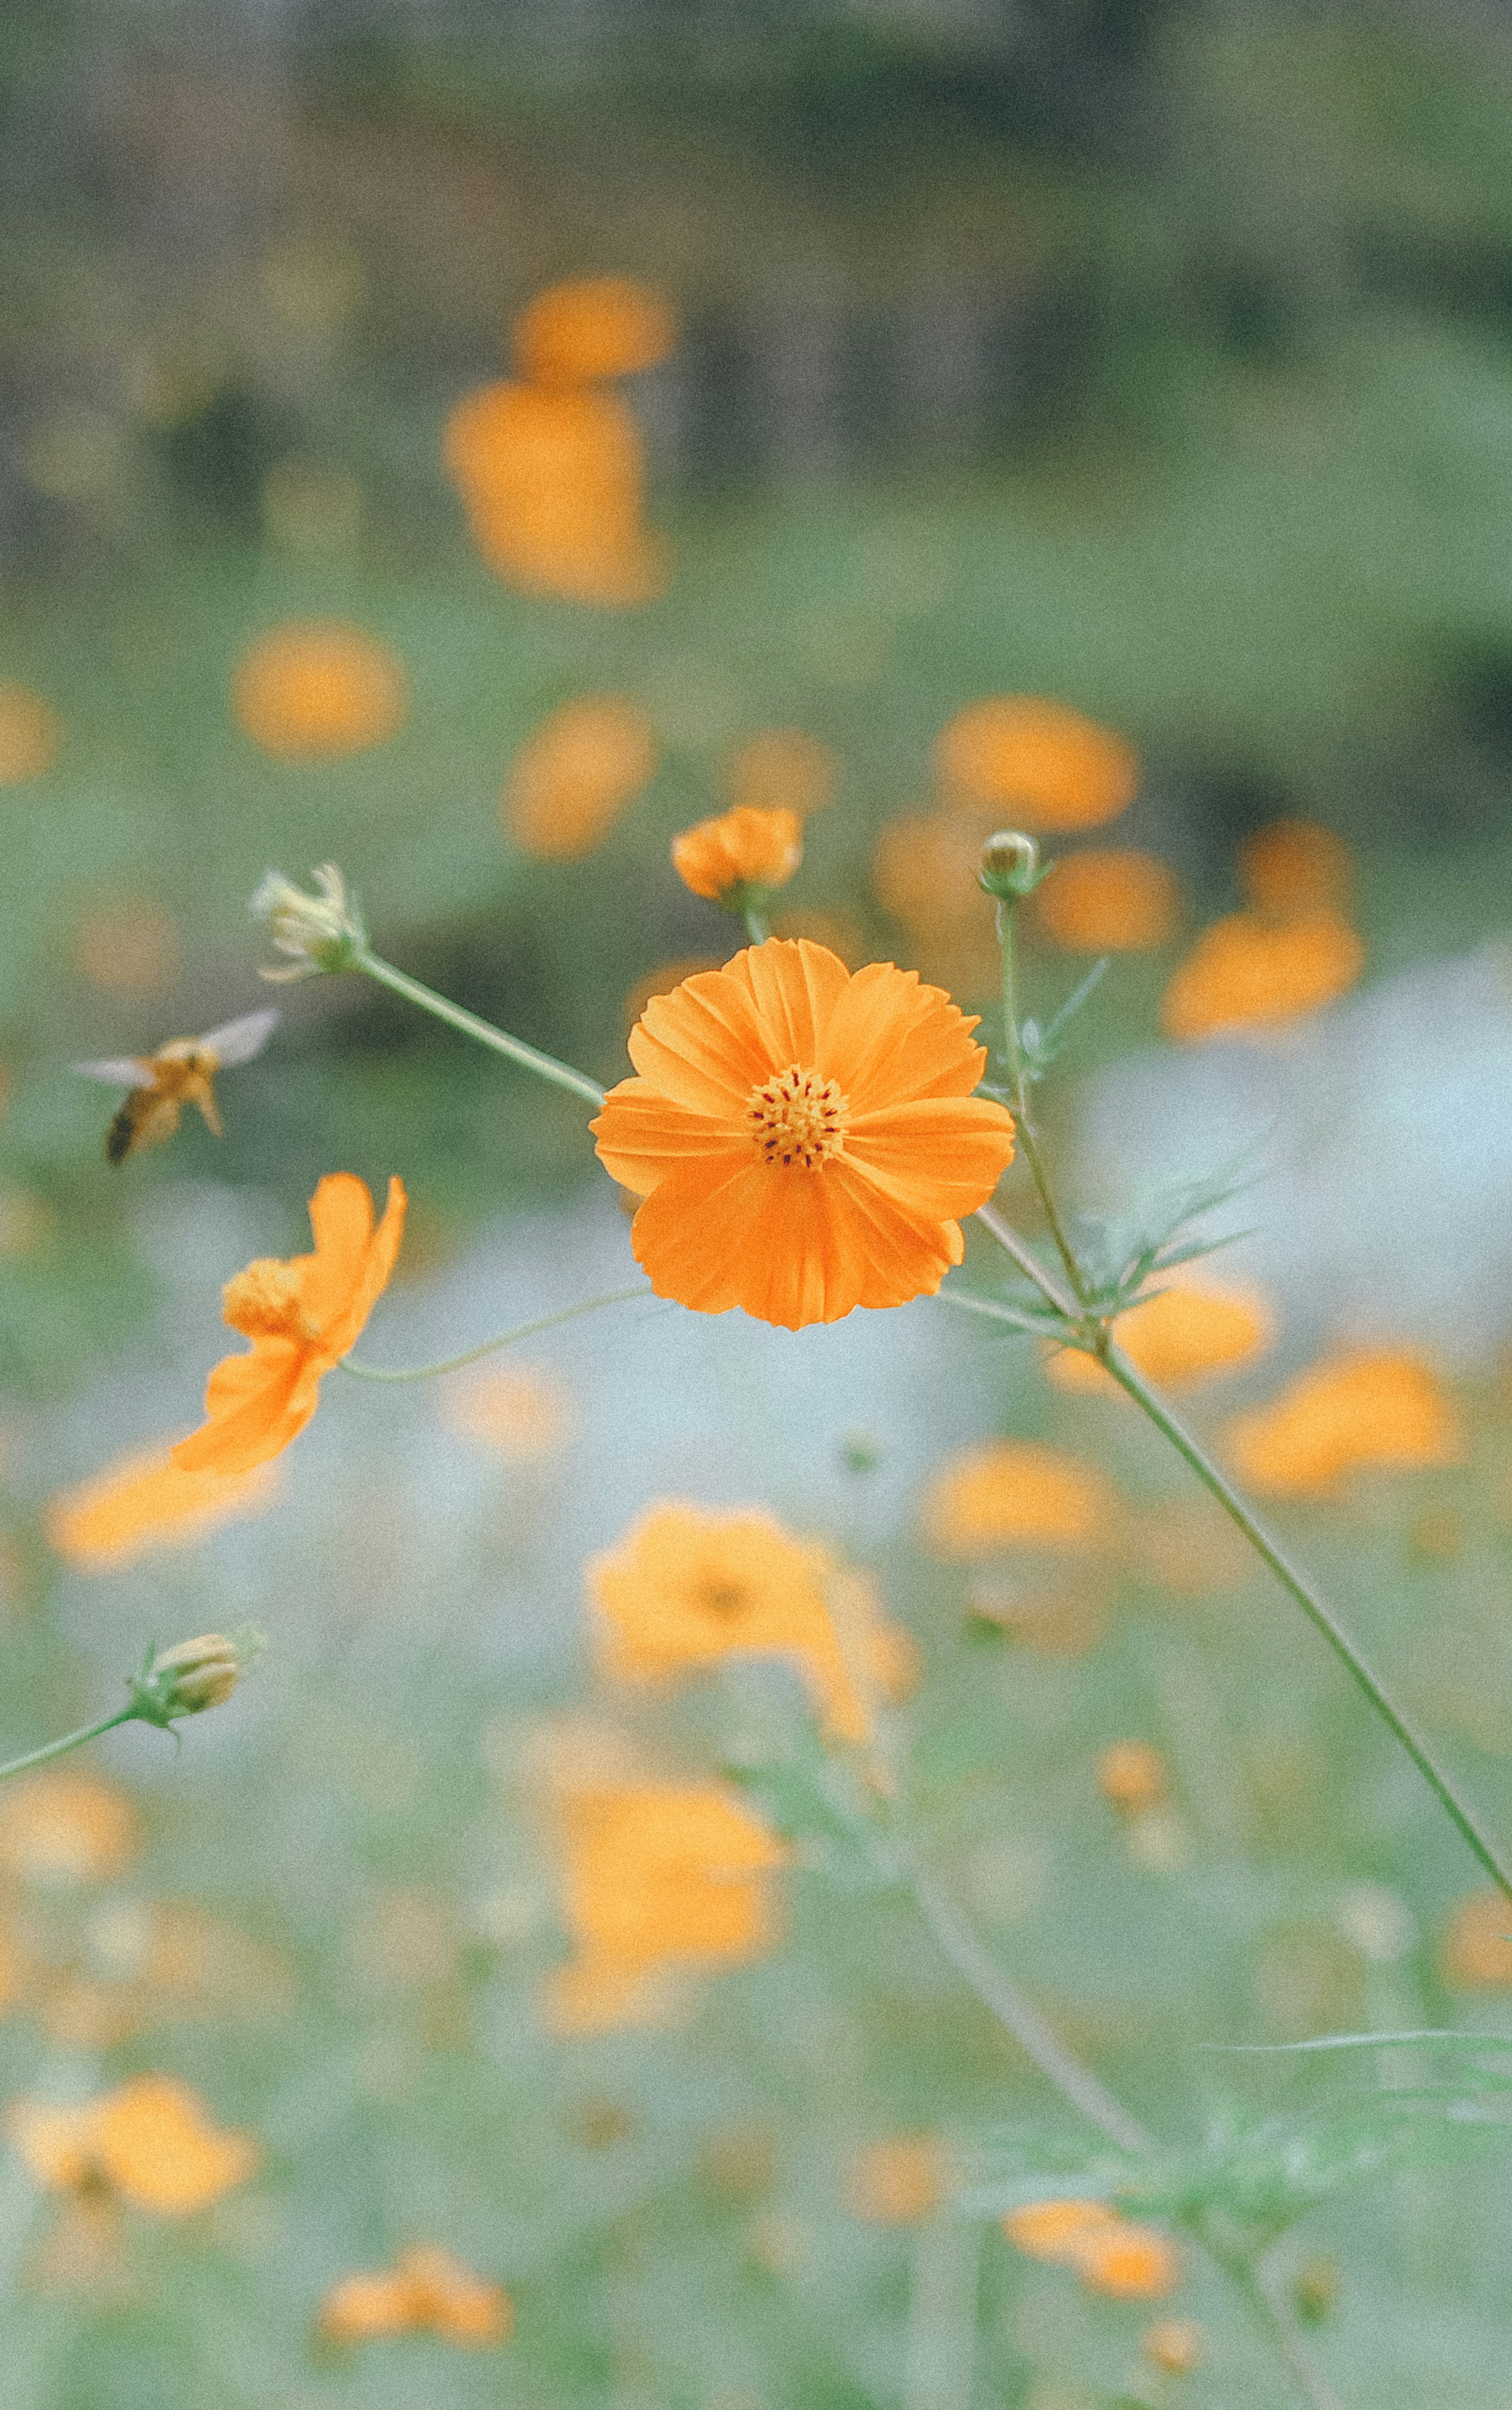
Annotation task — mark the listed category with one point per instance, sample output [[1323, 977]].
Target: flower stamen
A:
[[797, 1118]]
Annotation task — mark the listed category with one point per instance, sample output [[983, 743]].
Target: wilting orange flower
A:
[[1474, 1950], [1369, 1406], [805, 1137], [1108, 2251], [783, 770], [1020, 1494], [67, 1827], [1131, 1777], [1109, 902], [1248, 973], [314, 688], [575, 774], [554, 482], [592, 327], [30, 733], [1292, 868], [737, 850], [302, 1317], [898, 2182], [1182, 1335], [143, 1502], [151, 2140], [686, 1586], [427, 2291], [656, 1875], [1044, 765], [128, 949]]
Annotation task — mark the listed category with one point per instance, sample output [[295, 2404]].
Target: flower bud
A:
[[323, 931], [1010, 863], [192, 1676]]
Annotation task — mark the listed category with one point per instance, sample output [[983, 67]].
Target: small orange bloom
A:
[[67, 1827], [805, 1137], [31, 732], [575, 774], [1044, 765], [925, 873], [1371, 1406], [898, 2182], [1109, 902], [128, 949], [593, 328], [151, 2140], [1131, 1777], [1475, 1951], [315, 688], [428, 2291], [686, 1586], [1109, 2252], [1011, 1493], [302, 1317], [783, 770], [1248, 973], [524, 1415], [143, 1502], [553, 481], [1292, 868], [1182, 1335], [1059, 2230], [739, 849]]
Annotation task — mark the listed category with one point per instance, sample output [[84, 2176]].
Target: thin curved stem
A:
[[70, 1740], [756, 926], [1318, 1613], [546, 1066], [1018, 1074], [1312, 2387], [1012, 1244], [502, 1339]]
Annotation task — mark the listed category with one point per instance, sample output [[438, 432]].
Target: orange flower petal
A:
[[145, 1502]]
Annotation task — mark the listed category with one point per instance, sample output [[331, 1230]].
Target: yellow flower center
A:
[[796, 1117], [720, 1594], [264, 1301]]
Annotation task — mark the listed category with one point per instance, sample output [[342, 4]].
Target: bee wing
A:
[[238, 1041], [120, 1071]]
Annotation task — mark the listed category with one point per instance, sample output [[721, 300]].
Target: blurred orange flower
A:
[[313, 689], [1290, 869], [151, 2140], [656, 1875], [1364, 1407], [31, 734], [128, 949], [1248, 973], [1182, 1335], [1108, 2251], [1017, 1493], [1175, 2347], [686, 1586], [739, 849], [898, 2182], [925, 874], [1109, 902], [67, 1827], [142, 1501], [592, 327], [575, 774], [427, 2291], [524, 1415], [1131, 1777], [302, 1317], [553, 481], [804, 1137], [1474, 1950], [1041, 764], [783, 770]]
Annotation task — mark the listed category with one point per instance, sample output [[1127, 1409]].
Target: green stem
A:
[[1009, 1239], [1311, 2386], [70, 1740], [1029, 1143], [503, 1339], [546, 1066], [1318, 1613], [756, 926]]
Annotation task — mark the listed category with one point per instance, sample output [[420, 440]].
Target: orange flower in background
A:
[[1011, 1493], [1292, 868], [315, 688], [1181, 1336], [142, 1502], [655, 1876], [31, 734], [1248, 973], [1474, 1952], [805, 1137], [575, 774], [1109, 2252], [302, 1317], [427, 2291], [1364, 1407], [1109, 902], [524, 1415], [898, 2182], [783, 770], [1058, 2230], [66, 1828], [924, 870], [1131, 1776], [591, 327], [127, 949], [151, 2140], [1041, 764], [739, 849], [1174, 2346], [686, 1586], [554, 482]]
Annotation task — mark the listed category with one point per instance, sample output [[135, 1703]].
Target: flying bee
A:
[[181, 1073]]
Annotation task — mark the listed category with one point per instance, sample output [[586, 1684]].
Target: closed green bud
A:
[[1010, 863], [191, 1675]]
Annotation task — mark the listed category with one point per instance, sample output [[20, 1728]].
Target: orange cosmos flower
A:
[[1131, 1777], [1017, 1493], [805, 1137], [128, 948], [1181, 1336], [1248, 973], [427, 2291], [1108, 2251], [575, 774], [66, 1828], [1044, 765], [524, 1415], [302, 1317], [151, 2140], [592, 327], [783, 770], [742, 848], [1109, 902], [1174, 2346], [898, 2182], [31, 732], [686, 1586], [553, 481], [1292, 868], [143, 1502], [314, 689], [1370, 1406], [1473, 1953]]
